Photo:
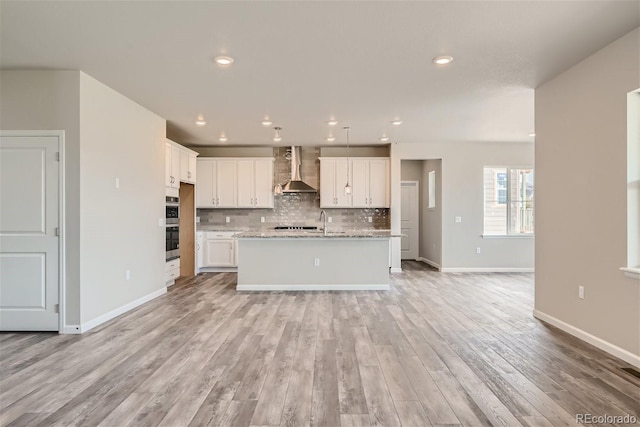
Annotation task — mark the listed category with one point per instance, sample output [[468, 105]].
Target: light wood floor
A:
[[438, 349]]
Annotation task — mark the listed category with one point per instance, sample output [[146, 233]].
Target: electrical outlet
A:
[[227, 219], [581, 292], [127, 274], [477, 250], [197, 219], [316, 262], [329, 219], [458, 219], [370, 218], [261, 219], [117, 182], [160, 222]]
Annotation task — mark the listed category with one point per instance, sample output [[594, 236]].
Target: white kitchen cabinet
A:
[[172, 271], [188, 165], [199, 250], [218, 249], [379, 177], [171, 165], [255, 183], [333, 177], [235, 183], [217, 182], [370, 178]]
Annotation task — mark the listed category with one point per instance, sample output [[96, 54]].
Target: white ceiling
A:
[[300, 63]]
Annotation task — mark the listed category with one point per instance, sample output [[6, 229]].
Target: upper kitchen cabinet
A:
[[370, 178], [255, 183], [188, 165], [216, 183], [333, 177], [171, 165]]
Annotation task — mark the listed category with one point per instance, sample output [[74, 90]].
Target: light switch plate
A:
[[458, 219]]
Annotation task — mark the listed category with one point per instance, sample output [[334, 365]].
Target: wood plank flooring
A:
[[437, 349]]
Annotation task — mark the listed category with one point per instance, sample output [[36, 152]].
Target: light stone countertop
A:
[[351, 234]]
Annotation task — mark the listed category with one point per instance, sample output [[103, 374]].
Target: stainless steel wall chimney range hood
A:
[[296, 185]]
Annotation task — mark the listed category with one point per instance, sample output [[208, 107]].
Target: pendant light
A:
[[347, 187], [277, 137]]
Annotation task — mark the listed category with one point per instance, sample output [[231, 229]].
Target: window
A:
[[633, 185], [432, 190], [508, 201]]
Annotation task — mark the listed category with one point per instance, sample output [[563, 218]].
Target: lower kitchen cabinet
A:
[[172, 271], [216, 249]]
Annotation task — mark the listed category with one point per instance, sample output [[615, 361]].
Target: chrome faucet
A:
[[323, 214]]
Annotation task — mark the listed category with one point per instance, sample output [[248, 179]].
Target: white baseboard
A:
[[218, 270], [70, 329], [120, 310], [428, 261], [395, 269], [327, 287], [487, 270], [603, 345]]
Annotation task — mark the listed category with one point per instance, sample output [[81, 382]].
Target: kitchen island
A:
[[313, 260]]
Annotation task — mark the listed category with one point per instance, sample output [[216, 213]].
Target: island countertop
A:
[[314, 234]]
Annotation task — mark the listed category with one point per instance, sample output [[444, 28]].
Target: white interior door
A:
[[29, 194], [409, 220]]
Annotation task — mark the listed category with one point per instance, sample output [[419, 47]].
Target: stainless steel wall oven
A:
[[172, 219]]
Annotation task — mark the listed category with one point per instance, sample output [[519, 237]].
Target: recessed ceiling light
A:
[[532, 134], [267, 122], [331, 138], [200, 121], [223, 137], [332, 122], [442, 60], [397, 122], [223, 60], [384, 138]]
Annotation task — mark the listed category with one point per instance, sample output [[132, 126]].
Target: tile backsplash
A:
[[296, 209]]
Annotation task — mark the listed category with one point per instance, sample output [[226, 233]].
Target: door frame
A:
[[61, 219], [416, 185]]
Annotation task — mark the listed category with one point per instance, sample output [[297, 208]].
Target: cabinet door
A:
[[226, 183], [379, 183], [185, 170], [167, 165], [192, 168], [327, 183], [175, 166], [263, 183], [199, 250], [360, 182], [246, 181], [219, 253], [205, 190], [342, 169], [184, 166]]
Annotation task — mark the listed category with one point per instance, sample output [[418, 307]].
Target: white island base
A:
[[313, 263]]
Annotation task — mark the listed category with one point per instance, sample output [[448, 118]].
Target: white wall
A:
[[581, 191], [431, 219], [49, 100], [119, 227], [462, 195], [107, 230]]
